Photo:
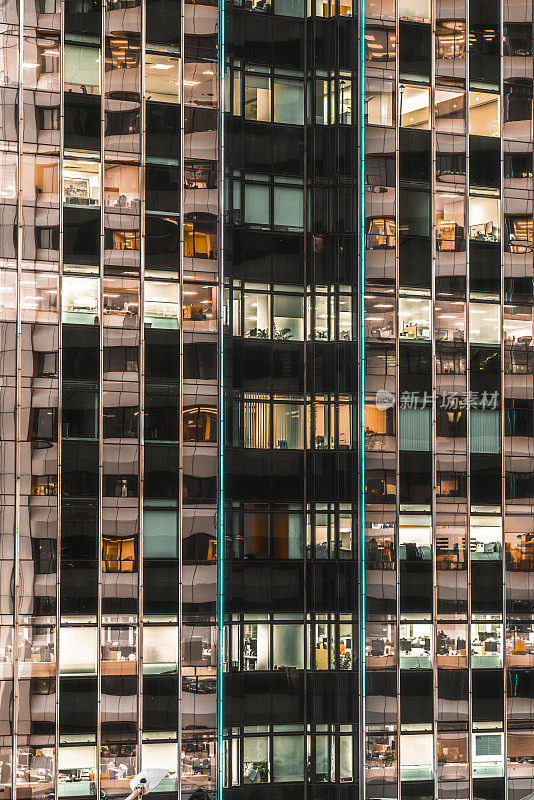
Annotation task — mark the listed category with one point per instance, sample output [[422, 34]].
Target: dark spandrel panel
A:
[[486, 586], [484, 162], [489, 789], [453, 695], [416, 587], [486, 488], [161, 471], [417, 790], [333, 367], [382, 697], [162, 242], [77, 705], [257, 587], [163, 21], [415, 155], [488, 695], [273, 697], [82, 121], [162, 363], [81, 236], [484, 267], [83, 16], [332, 476], [415, 261], [80, 353], [162, 129], [415, 477], [415, 48], [79, 527], [417, 696], [80, 469], [79, 587], [162, 188], [200, 360], [160, 703], [160, 589]]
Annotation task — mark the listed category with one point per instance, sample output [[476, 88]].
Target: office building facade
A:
[[266, 408]]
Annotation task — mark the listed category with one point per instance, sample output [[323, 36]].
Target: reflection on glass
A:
[[414, 107], [415, 645]]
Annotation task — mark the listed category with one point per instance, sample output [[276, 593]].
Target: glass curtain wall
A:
[[108, 401], [448, 295], [291, 466]]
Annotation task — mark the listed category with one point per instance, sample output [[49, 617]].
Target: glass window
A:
[[256, 421], [485, 430], [80, 300], [256, 759], [415, 426], [256, 647], [199, 307], [381, 759], [76, 771], [288, 646], [288, 102], [485, 219], [484, 114], [288, 426], [488, 755], [81, 183], [121, 187], [160, 649], [160, 533], [81, 69], [449, 321], [257, 315], [520, 637], [484, 323], [451, 647], [415, 537], [40, 181], [414, 107], [118, 644], [449, 210], [288, 317], [485, 539], [161, 305], [415, 645], [288, 759], [486, 644], [379, 102], [162, 78], [449, 111], [414, 318], [257, 97], [288, 208], [77, 650], [450, 42], [257, 205], [379, 317], [416, 756]]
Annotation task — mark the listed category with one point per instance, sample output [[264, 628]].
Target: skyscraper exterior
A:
[[266, 399]]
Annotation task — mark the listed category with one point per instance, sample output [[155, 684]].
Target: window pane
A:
[[256, 205], [288, 102], [288, 207], [288, 758]]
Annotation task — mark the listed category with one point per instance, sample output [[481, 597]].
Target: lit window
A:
[[414, 107], [484, 114], [414, 318]]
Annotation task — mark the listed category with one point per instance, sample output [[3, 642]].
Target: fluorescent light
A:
[[161, 66]]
